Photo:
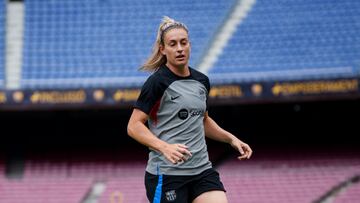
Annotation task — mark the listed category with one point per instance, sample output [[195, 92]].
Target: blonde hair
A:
[[156, 58]]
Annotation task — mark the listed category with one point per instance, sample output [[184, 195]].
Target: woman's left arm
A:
[[215, 132]]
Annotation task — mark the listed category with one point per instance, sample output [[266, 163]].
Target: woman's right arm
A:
[[137, 130]]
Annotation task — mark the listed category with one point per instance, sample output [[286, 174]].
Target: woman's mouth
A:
[[181, 57]]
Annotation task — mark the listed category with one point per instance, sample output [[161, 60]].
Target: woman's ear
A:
[[162, 47]]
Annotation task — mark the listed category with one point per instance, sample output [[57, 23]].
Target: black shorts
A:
[[181, 189]]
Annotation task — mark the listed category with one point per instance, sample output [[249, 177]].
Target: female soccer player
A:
[[173, 101]]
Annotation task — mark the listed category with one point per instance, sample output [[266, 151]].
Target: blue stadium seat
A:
[[289, 39]]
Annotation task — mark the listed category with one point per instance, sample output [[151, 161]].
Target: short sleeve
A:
[[150, 93]]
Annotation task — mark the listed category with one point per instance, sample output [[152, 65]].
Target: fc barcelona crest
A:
[[170, 195]]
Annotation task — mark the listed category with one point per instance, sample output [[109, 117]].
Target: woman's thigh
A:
[[215, 196]]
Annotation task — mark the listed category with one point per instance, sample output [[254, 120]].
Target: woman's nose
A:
[[179, 47]]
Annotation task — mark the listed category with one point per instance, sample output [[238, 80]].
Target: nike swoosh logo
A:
[[173, 98]]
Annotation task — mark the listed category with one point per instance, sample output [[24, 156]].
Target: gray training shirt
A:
[[176, 107]]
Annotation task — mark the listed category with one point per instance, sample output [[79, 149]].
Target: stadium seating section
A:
[[290, 178], [95, 43], [2, 43], [270, 177], [103, 43], [287, 40]]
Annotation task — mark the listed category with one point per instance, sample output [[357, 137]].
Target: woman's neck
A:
[[182, 71]]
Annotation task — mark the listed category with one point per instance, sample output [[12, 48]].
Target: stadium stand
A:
[[292, 40], [103, 43], [288, 176], [43, 190], [84, 166], [268, 177], [75, 175], [2, 43]]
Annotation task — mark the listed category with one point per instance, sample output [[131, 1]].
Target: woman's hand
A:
[[243, 148], [176, 153]]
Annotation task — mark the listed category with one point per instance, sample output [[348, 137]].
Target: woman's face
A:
[[176, 47]]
